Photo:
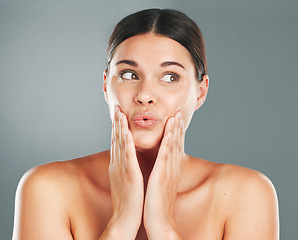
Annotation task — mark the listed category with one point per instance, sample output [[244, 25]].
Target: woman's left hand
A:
[[162, 188]]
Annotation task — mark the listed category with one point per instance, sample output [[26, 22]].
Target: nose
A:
[[146, 95]]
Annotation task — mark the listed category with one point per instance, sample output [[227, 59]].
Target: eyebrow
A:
[[164, 64], [170, 63], [128, 62]]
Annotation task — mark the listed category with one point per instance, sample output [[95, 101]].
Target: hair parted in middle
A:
[[166, 22]]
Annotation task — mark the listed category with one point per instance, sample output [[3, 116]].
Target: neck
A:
[[147, 160]]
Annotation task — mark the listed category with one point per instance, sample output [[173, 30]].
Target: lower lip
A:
[[145, 124]]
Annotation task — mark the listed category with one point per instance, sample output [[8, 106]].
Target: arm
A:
[[159, 219], [126, 182], [39, 209], [254, 213], [42, 206]]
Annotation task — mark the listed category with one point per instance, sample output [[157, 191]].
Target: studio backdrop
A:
[[52, 58]]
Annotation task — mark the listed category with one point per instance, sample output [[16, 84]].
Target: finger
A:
[[122, 126], [128, 150], [116, 111], [169, 125], [112, 150], [119, 129], [164, 153], [130, 153], [112, 154], [122, 139], [175, 146], [177, 128], [182, 134], [117, 135], [162, 156], [180, 139]]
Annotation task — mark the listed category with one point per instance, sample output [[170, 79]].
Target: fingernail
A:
[[126, 132], [120, 115], [172, 121], [116, 107], [179, 115]]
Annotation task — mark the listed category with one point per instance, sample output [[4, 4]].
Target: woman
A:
[[146, 186]]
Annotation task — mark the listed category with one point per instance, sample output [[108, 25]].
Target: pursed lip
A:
[[145, 119]]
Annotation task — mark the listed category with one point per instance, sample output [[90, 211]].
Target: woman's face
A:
[[151, 77]]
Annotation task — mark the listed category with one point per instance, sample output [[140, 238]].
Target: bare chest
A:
[[198, 216]]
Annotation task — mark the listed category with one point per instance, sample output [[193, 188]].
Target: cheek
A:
[[182, 104], [187, 106], [113, 99], [187, 116], [118, 96]]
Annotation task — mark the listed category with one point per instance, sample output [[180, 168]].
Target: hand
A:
[[163, 183], [126, 180]]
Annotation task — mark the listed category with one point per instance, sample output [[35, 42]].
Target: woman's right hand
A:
[[126, 182]]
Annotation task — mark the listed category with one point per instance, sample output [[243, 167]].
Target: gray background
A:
[[52, 54]]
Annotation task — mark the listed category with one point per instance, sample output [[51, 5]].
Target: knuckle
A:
[[170, 148], [176, 143], [117, 135], [127, 154], [111, 168], [179, 148]]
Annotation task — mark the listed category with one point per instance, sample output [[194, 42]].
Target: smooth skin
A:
[[146, 186]]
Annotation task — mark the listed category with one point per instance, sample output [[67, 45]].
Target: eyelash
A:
[[177, 76], [127, 71]]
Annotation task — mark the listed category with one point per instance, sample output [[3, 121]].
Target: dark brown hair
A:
[[166, 22]]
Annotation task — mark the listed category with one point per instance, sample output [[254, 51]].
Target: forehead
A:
[[151, 48]]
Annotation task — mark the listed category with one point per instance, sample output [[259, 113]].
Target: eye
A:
[[170, 77], [128, 75]]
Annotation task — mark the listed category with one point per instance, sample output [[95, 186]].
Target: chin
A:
[[147, 143]]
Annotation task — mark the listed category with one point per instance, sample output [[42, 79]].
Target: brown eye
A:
[[170, 77], [134, 76], [128, 76]]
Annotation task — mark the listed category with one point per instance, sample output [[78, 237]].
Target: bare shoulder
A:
[[43, 198], [250, 200], [245, 180], [61, 175], [232, 181], [53, 176], [245, 198], [39, 203], [47, 179], [46, 172]]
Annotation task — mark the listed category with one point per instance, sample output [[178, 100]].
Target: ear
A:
[[104, 87], [202, 91]]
